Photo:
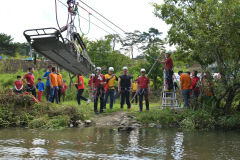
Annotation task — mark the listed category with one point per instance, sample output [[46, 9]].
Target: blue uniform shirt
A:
[[47, 75], [40, 86]]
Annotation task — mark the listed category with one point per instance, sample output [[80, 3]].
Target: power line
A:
[[102, 16]]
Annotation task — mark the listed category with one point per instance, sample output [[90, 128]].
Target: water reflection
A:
[[108, 143]]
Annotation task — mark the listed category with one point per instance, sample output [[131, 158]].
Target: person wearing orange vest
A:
[[80, 88], [60, 82], [186, 83], [54, 85]]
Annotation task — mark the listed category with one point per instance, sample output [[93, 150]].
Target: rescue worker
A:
[[143, 89], [54, 85], [124, 87], [98, 85], [46, 76], [110, 81], [60, 82], [80, 87], [168, 70]]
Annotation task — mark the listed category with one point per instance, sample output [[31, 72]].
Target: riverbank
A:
[[22, 111]]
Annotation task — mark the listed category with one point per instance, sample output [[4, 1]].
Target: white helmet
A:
[[111, 69], [98, 68], [125, 68], [93, 75], [143, 70]]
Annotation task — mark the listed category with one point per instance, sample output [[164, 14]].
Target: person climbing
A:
[[134, 92], [98, 85], [54, 85], [80, 89], [185, 83], [46, 76], [18, 85], [60, 82], [168, 70], [110, 81], [124, 88], [40, 87], [63, 90], [29, 80], [143, 89], [195, 80]]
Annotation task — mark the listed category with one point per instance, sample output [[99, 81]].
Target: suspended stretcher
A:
[[70, 55]]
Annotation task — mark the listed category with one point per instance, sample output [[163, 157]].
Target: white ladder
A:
[[168, 98]]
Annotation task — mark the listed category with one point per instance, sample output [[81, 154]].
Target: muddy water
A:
[[105, 143]]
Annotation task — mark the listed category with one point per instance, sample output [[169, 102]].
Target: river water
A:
[[108, 143]]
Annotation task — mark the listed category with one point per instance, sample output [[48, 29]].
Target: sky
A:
[[130, 15]]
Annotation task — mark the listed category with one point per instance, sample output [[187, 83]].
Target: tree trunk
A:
[[229, 100]]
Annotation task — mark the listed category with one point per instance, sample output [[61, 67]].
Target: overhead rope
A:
[[99, 19], [56, 13], [102, 16]]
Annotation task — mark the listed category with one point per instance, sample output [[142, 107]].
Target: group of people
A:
[[55, 85], [103, 86], [189, 84]]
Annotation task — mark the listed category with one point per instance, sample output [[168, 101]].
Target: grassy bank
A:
[[21, 111]]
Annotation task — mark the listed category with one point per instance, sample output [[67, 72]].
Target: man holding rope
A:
[[168, 70], [143, 89]]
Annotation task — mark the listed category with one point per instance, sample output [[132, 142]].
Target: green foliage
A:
[[18, 110], [152, 47], [164, 117], [102, 54], [7, 46], [229, 121], [205, 32]]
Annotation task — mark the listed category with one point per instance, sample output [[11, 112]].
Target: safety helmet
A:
[[93, 75], [98, 68], [111, 69], [168, 52], [143, 70], [125, 68]]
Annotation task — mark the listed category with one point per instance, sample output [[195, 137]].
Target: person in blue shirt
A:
[[40, 87], [46, 76]]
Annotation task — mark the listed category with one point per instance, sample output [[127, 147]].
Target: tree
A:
[[103, 55], [7, 46], [207, 31], [152, 46]]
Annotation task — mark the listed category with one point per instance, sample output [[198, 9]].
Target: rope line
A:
[[79, 23], [102, 16], [56, 13]]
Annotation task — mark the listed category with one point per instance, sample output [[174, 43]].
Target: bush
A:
[[229, 121]]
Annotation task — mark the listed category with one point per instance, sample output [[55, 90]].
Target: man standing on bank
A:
[[46, 76], [143, 89], [124, 87], [99, 91], [110, 81]]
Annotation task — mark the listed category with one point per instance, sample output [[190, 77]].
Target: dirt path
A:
[[113, 119]]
